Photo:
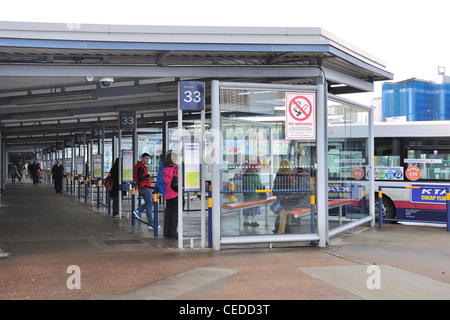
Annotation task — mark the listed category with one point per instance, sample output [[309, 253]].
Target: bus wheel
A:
[[388, 209]]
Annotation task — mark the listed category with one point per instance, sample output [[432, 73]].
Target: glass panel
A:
[[108, 158], [152, 144], [387, 152], [256, 157], [348, 163], [191, 132]]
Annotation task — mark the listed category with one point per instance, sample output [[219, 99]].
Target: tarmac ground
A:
[[56, 247]]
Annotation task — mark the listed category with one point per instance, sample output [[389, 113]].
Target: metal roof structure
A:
[[50, 73]]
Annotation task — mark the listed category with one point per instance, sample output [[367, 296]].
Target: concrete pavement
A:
[[43, 234]]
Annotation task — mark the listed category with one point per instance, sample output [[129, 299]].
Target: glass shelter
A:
[[284, 172], [350, 160]]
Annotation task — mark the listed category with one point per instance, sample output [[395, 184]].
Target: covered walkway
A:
[[43, 233], [36, 220]]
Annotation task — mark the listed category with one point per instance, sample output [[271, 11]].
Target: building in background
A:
[[416, 100], [376, 104]]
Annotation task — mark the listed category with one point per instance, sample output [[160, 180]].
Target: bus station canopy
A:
[[50, 73]]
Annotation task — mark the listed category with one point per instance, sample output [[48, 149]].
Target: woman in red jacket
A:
[[171, 197]]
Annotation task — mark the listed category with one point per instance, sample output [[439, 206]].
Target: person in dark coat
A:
[[58, 174], [293, 191], [114, 193], [251, 181]]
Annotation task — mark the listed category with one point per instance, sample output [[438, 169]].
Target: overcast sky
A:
[[412, 37]]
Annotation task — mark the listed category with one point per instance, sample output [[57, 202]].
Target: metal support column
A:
[[322, 172], [215, 164]]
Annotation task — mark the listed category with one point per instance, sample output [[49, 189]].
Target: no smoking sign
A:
[[300, 115]]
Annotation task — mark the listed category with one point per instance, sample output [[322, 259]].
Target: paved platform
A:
[[43, 234]]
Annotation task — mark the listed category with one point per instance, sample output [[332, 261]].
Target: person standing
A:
[[251, 181], [159, 186], [283, 184], [37, 175], [142, 179], [114, 193], [58, 174], [171, 196], [13, 172], [299, 196]]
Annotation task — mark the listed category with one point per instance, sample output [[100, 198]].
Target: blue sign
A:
[[191, 95], [428, 194]]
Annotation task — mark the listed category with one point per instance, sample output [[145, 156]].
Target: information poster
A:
[[80, 166], [98, 161], [68, 165], [127, 165], [192, 167]]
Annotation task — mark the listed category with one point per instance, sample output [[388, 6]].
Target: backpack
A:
[[159, 186], [109, 183]]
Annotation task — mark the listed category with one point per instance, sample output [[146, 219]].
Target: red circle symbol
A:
[[413, 173], [300, 108], [358, 173]]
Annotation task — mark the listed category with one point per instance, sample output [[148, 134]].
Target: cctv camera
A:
[[106, 81]]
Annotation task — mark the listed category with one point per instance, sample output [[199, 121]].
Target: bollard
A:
[[79, 187], [364, 201], [133, 204], [447, 197], [209, 216], [380, 207], [98, 194], [86, 189], [313, 216], [155, 209]]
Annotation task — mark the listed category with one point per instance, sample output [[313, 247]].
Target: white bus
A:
[[413, 154], [407, 154]]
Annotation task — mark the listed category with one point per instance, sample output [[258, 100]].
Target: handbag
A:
[[174, 182], [276, 206], [109, 183]]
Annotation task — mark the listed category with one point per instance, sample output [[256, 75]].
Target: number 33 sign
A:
[[127, 120], [191, 95]]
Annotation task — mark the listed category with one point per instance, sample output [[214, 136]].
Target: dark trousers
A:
[[115, 205], [171, 218], [58, 184]]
